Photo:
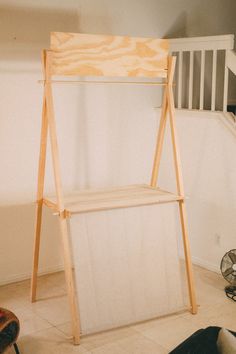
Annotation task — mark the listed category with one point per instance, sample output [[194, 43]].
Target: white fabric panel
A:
[[126, 265]]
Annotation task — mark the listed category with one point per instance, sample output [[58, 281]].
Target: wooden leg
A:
[[39, 208], [182, 210], [60, 206], [180, 189], [159, 143], [189, 270], [70, 281]]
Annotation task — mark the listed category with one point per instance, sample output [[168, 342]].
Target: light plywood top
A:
[[113, 198], [105, 55]]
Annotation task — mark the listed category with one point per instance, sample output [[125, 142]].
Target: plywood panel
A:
[[102, 55], [126, 265], [113, 198]]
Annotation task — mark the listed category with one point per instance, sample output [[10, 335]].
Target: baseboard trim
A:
[[202, 263], [25, 276], [206, 265]]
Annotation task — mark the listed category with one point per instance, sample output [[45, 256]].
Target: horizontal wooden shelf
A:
[[113, 198]]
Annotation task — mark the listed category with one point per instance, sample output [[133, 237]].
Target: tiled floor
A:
[[45, 326]]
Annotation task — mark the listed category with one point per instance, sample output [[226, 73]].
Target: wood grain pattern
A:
[[102, 55], [113, 198]]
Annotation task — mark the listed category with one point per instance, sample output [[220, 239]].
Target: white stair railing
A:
[[191, 55], [230, 64], [231, 61]]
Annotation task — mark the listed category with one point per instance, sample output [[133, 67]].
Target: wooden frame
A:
[[54, 62]]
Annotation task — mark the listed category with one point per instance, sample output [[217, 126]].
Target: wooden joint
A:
[[63, 214], [170, 84], [182, 198], [39, 201]]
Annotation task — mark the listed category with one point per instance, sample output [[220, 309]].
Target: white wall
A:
[[93, 155], [209, 168]]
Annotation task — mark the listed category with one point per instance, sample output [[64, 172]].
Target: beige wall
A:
[[92, 134]]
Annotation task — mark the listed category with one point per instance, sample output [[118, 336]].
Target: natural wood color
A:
[[60, 206], [162, 126], [37, 232], [180, 189], [70, 281], [187, 255], [160, 139], [113, 198], [77, 54], [171, 109], [102, 55], [39, 205], [101, 82], [53, 134]]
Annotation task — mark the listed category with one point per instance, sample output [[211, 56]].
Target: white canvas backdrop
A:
[[126, 265]]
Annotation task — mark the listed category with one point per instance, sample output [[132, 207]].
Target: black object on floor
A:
[[230, 291], [204, 341], [9, 330]]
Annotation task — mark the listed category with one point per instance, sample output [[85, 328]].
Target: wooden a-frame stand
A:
[[62, 206]]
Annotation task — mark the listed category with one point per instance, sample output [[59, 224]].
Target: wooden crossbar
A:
[[110, 56], [145, 83]]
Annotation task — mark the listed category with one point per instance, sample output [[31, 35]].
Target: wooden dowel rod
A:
[[103, 82]]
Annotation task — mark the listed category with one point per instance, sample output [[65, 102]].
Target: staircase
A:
[[202, 72]]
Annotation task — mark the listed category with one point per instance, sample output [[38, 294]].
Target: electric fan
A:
[[228, 270]]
